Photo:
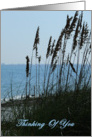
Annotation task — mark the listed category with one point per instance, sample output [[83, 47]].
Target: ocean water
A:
[[13, 77]]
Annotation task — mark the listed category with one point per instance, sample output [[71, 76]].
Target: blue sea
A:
[[13, 77]]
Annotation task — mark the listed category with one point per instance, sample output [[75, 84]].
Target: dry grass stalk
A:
[[72, 67], [49, 47], [36, 41], [77, 31], [84, 35]]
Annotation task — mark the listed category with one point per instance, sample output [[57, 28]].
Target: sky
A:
[[18, 29]]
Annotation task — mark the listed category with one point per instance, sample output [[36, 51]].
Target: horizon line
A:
[[37, 64]]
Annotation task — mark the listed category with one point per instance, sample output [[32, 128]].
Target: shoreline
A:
[[7, 108]]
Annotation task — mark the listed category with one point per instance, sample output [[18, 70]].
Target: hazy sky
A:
[[18, 29]]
